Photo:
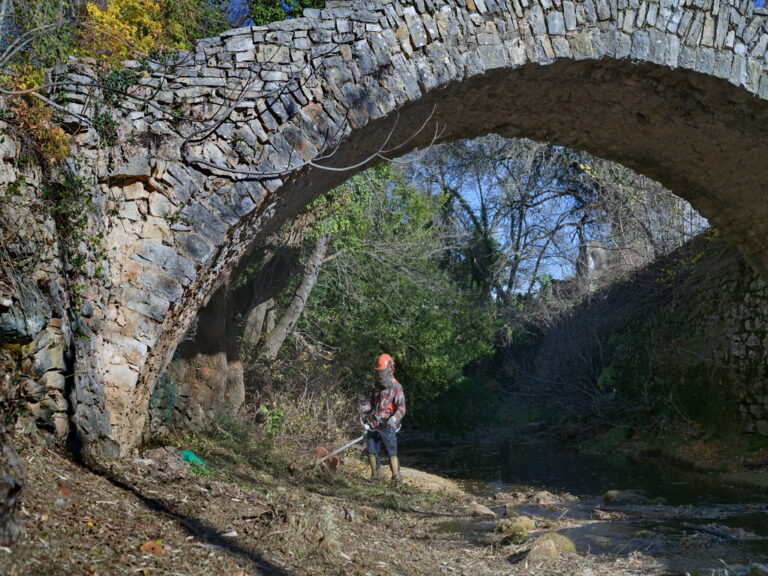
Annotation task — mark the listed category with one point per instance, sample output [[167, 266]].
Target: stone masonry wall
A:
[[716, 324], [686, 338], [211, 150], [43, 322]]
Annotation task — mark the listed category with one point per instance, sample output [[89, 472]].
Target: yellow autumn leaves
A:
[[123, 27]]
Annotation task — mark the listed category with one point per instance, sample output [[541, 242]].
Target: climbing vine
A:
[[70, 205]]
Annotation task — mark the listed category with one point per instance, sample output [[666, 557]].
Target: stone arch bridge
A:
[[223, 143]]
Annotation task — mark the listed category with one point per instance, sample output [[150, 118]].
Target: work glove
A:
[[392, 422]]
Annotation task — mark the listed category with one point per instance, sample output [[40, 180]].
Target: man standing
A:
[[388, 408]]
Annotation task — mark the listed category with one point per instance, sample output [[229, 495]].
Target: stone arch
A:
[[675, 89]]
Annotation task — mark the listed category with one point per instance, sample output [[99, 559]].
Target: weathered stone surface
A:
[[134, 166], [47, 351], [144, 302], [480, 511], [160, 206], [545, 549], [555, 23], [23, 313], [167, 259]]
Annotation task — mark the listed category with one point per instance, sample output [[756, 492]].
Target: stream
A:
[[690, 520]]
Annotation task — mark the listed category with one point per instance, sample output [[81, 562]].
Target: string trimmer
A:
[[366, 426]]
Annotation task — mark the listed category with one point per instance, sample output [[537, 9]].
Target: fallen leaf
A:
[[44, 518], [240, 573], [152, 547]]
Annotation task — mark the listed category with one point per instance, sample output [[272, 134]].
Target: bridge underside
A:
[[694, 133]]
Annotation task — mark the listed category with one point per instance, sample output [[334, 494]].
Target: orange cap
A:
[[384, 362]]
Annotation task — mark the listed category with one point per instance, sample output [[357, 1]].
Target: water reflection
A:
[[484, 469]]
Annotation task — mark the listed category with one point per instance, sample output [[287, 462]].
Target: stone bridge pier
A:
[[223, 143]]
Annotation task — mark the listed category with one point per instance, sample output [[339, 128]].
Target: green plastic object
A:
[[191, 457]]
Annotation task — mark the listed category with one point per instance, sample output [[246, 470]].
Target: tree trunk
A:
[[276, 337], [5, 27], [254, 322], [270, 321], [11, 482], [11, 475]]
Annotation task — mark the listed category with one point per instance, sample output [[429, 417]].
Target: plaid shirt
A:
[[387, 403]]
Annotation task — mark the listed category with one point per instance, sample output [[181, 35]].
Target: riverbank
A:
[[247, 512], [738, 460]]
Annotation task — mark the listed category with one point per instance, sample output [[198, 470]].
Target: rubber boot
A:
[[394, 465], [373, 462]]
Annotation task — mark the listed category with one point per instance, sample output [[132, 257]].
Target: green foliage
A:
[[49, 45], [71, 206], [69, 203], [463, 407], [117, 80], [199, 469], [112, 30], [266, 11], [395, 295], [105, 125], [15, 187], [274, 419], [607, 378]]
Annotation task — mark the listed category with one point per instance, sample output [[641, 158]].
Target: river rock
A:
[[545, 499], [479, 511], [515, 530], [758, 570], [631, 497], [491, 540], [545, 549], [515, 524], [562, 543]]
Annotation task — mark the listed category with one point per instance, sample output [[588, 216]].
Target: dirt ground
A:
[[240, 517]]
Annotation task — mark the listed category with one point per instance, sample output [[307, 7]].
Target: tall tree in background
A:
[[527, 211], [514, 202]]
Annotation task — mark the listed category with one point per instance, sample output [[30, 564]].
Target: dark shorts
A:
[[385, 436]]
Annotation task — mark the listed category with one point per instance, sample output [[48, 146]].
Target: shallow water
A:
[[484, 469], [676, 530]]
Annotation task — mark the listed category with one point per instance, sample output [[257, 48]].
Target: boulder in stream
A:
[[479, 511], [551, 545], [515, 530], [545, 549], [627, 497], [512, 524]]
